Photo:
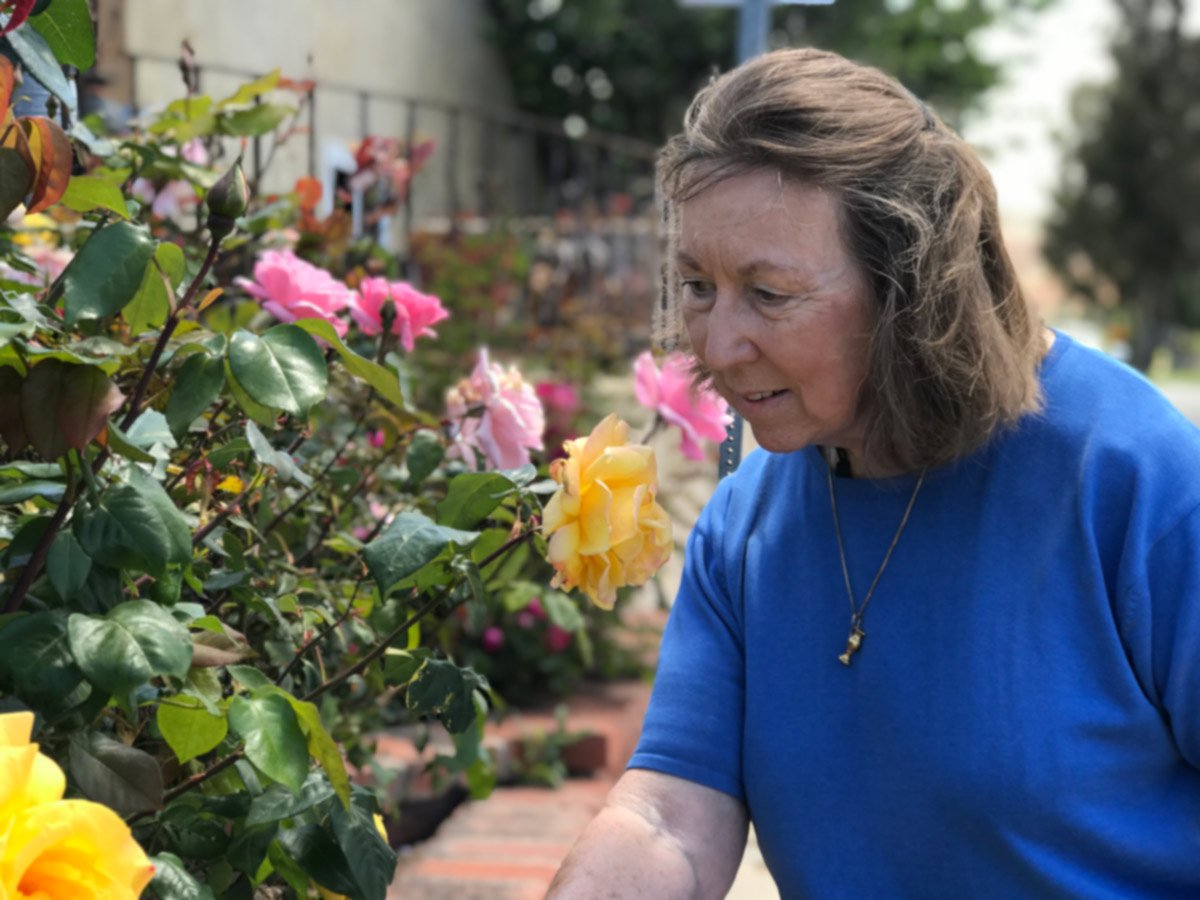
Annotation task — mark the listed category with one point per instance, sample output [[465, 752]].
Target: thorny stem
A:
[[324, 633], [135, 404], [224, 513]]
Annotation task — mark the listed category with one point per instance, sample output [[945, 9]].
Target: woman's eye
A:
[[701, 290], [769, 296]]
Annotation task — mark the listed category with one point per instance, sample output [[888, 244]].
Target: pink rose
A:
[[415, 312], [492, 639], [699, 414], [512, 419], [558, 396], [557, 639], [292, 289]]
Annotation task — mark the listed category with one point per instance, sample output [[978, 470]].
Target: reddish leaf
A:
[[54, 166], [12, 429], [20, 10], [8, 76], [65, 406]]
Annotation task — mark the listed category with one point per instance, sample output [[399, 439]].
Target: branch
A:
[[38, 557], [325, 632]]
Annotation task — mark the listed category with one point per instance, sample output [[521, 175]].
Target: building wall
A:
[[432, 50]]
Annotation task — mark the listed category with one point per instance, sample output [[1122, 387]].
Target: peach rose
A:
[[55, 848], [605, 528]]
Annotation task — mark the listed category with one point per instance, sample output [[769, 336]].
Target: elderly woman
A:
[[942, 638]]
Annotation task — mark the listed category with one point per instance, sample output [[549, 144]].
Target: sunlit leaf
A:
[[189, 729], [106, 272]]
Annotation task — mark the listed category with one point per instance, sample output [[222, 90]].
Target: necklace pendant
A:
[[853, 644]]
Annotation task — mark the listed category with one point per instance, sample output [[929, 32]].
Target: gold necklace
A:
[[854, 642]]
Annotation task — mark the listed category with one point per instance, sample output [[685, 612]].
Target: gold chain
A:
[[854, 642]]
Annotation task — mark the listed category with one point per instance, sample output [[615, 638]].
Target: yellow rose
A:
[[55, 849], [605, 528]]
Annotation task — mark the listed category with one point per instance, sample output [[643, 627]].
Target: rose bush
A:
[[233, 547]]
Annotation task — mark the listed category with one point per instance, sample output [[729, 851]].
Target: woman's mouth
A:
[[760, 396]]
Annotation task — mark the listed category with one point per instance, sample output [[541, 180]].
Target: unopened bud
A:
[[227, 200]]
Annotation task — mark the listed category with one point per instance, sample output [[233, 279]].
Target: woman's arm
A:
[[657, 836]]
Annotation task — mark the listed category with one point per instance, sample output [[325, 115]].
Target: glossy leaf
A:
[[255, 121], [410, 542], [106, 272], [246, 94], [136, 525], [321, 746], [371, 861], [425, 453], [274, 741], [262, 415], [67, 27], [123, 778], [67, 565], [317, 852], [65, 406], [282, 369], [443, 689], [39, 60], [19, 493], [169, 257], [15, 180], [150, 428], [378, 377], [189, 729], [133, 643], [172, 880], [150, 305], [472, 496], [277, 802], [197, 386], [37, 663], [85, 193]]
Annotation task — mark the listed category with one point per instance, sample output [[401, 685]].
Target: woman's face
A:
[[776, 308]]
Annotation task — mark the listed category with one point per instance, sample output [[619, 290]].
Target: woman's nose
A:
[[721, 337]]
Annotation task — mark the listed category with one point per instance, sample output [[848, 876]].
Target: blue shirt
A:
[[1023, 719]]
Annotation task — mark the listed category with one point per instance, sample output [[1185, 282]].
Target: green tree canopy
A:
[[631, 66], [1127, 214]]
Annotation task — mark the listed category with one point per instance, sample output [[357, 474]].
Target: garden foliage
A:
[[232, 545]]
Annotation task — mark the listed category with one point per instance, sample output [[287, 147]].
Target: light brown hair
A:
[[954, 351]]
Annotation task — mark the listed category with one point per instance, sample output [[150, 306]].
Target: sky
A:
[[1016, 128]]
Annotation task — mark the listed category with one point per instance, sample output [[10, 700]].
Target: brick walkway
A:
[[509, 846]]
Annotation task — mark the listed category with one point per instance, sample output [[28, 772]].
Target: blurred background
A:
[[543, 115]]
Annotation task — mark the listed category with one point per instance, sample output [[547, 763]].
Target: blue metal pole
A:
[[753, 28]]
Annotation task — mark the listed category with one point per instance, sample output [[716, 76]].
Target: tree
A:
[[632, 65], [1127, 214]]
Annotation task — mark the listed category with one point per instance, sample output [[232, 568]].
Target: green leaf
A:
[[250, 677], [136, 526], [39, 60], [562, 611], [378, 377], [150, 428], [188, 728], [123, 778], [318, 854], [67, 27], [283, 369], [172, 880], [197, 386], [193, 834], [151, 304], [411, 541], [256, 121], [120, 444], [22, 491], [262, 415], [85, 193], [443, 689], [424, 455], [371, 861], [133, 643], [472, 496], [246, 93], [321, 746], [65, 406], [170, 259], [67, 565], [277, 802], [106, 272], [37, 663], [274, 741], [276, 459]]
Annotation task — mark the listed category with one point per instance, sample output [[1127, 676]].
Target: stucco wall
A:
[[429, 49]]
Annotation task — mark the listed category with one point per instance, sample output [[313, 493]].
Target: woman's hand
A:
[[657, 836]]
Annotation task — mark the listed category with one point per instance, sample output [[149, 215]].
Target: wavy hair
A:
[[955, 348]]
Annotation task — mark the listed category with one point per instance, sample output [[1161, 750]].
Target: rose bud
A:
[[227, 200]]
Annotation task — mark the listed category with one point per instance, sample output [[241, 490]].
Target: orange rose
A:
[[605, 528], [54, 848]]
